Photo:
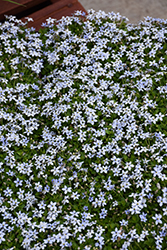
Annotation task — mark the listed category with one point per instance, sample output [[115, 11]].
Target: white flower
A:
[[75, 196], [2, 234], [157, 218]]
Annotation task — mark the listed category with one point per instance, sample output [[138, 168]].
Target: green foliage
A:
[[76, 28], [58, 101]]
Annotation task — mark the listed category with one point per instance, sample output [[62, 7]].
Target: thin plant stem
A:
[[15, 3]]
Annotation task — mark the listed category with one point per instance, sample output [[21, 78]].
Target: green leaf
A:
[[135, 218], [112, 225], [75, 207], [123, 202], [19, 152], [108, 248], [20, 239], [149, 242], [75, 245]]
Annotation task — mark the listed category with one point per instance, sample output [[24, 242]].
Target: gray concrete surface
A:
[[134, 10]]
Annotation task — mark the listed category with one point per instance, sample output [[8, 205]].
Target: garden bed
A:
[[83, 133]]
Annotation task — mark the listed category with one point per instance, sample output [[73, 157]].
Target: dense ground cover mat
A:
[[83, 133]]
